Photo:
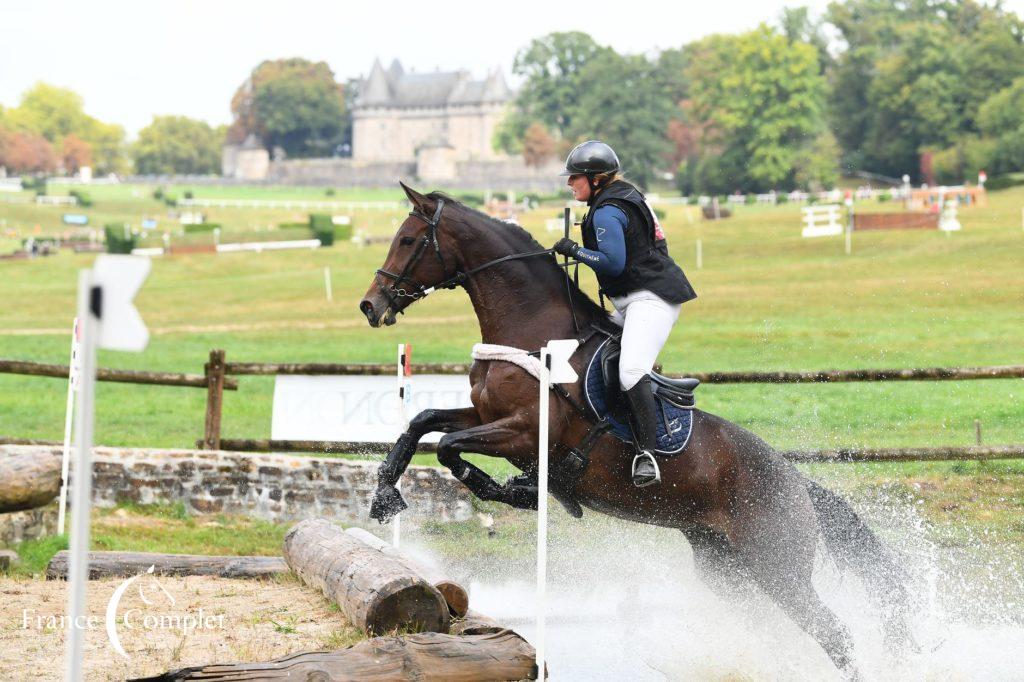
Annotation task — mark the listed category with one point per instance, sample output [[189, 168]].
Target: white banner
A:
[[363, 409]]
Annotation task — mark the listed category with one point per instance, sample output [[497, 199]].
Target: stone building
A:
[[398, 114]]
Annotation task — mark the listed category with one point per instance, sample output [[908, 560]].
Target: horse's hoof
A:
[[520, 496], [387, 503]]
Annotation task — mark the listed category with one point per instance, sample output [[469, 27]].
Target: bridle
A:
[[395, 291]]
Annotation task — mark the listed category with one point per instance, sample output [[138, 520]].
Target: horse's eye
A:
[[405, 241]]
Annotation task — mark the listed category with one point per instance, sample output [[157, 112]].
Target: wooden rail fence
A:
[[218, 373]]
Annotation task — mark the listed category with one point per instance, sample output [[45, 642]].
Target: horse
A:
[[750, 516]]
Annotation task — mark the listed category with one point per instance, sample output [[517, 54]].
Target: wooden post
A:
[[214, 399]]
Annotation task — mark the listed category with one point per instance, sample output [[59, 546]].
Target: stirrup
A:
[[646, 455]]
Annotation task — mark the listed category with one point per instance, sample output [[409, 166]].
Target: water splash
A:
[[626, 604]]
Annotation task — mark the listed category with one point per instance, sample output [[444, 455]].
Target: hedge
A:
[[116, 240]]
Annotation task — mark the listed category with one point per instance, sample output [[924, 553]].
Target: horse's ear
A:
[[419, 201]]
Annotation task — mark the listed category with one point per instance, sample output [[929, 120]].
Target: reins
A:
[[394, 290]]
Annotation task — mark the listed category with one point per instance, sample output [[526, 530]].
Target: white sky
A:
[[133, 59]]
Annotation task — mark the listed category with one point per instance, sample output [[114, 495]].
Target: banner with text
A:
[[362, 409]]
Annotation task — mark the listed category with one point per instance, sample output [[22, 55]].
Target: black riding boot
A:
[[644, 422]]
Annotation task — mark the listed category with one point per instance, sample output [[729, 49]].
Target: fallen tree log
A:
[[427, 657], [28, 480], [124, 564], [454, 594], [375, 592]]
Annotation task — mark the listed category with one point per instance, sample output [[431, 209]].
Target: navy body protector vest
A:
[[648, 265]]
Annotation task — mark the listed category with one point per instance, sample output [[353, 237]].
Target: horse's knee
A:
[[447, 453], [423, 418]]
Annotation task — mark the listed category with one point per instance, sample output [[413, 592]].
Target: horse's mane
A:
[[524, 242]]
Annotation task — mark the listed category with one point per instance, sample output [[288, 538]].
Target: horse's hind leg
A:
[[787, 580], [387, 501], [717, 562]]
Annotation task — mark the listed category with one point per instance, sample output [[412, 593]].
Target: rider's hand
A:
[[566, 247]]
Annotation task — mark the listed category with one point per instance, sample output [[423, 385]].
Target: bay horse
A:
[[750, 516]]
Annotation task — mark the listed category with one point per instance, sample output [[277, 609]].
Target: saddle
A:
[[678, 392]]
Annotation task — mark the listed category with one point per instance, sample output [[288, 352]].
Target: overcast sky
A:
[[133, 59]]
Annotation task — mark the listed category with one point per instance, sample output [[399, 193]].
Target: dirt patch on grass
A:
[[187, 621]]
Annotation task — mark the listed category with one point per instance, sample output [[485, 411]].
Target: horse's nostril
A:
[[365, 307]]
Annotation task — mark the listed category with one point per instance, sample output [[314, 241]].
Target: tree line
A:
[[929, 88]]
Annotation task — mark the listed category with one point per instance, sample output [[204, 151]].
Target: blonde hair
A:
[[602, 180]]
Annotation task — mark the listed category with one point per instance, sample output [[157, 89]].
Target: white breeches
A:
[[646, 320]]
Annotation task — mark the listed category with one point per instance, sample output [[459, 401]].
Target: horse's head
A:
[[416, 264]]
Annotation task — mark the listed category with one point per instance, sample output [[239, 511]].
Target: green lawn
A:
[[768, 300]]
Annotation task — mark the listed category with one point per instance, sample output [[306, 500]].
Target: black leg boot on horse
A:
[[643, 417]]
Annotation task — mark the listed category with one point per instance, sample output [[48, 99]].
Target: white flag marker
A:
[[108, 320], [554, 369]]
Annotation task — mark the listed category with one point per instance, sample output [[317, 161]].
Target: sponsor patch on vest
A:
[[659, 234]]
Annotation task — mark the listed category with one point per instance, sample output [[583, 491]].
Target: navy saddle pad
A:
[[674, 423]]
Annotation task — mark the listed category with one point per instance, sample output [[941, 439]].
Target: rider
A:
[[624, 244]]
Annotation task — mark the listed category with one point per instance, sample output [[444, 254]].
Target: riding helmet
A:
[[591, 157]]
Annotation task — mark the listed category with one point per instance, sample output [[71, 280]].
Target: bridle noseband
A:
[[395, 291]]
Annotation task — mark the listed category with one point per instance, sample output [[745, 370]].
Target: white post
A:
[[700, 253], [69, 412], [327, 284], [78, 565], [542, 509], [404, 397]]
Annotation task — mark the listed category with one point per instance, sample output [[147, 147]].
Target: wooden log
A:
[[342, 369], [267, 445], [124, 564], [858, 375], [28, 479], [123, 376], [454, 594], [425, 657], [474, 623], [375, 592], [938, 454]]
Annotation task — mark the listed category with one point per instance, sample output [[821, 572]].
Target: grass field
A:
[[768, 300]]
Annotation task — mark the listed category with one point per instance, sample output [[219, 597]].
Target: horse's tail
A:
[[854, 546]]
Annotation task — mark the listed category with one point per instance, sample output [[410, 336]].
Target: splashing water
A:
[[626, 604]]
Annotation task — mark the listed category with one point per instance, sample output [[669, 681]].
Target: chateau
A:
[[398, 114], [434, 128]]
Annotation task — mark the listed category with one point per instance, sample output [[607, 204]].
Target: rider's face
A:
[[580, 186]]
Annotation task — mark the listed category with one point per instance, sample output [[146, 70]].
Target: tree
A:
[[177, 144], [538, 145], [55, 113], [75, 153], [293, 104], [913, 74], [761, 99], [25, 152], [552, 67], [621, 102]]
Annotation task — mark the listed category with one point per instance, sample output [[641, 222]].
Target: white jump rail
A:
[[268, 246], [822, 221]]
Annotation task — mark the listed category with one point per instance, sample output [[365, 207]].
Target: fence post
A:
[[214, 399]]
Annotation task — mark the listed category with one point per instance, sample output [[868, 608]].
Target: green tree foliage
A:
[[55, 113], [177, 144], [912, 75], [621, 102], [293, 104], [761, 99]]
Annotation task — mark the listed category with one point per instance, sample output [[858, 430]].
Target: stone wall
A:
[[268, 486], [33, 524]]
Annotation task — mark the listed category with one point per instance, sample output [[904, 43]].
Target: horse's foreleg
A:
[[387, 501], [497, 439]]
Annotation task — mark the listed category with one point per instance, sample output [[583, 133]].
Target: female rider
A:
[[624, 244]]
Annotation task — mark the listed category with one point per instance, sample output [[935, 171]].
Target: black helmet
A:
[[591, 157]]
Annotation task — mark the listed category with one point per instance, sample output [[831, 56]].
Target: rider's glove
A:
[[566, 247]]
